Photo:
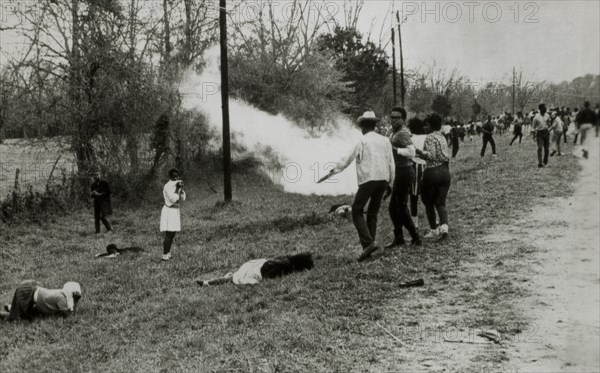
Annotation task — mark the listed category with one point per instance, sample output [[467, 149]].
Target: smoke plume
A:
[[289, 154]]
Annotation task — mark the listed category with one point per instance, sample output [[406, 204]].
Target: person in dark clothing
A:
[[488, 130], [462, 132], [102, 205], [597, 111], [518, 128], [404, 150], [586, 119], [454, 137], [436, 179], [113, 251]]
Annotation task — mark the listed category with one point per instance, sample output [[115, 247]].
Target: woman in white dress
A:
[[170, 217]]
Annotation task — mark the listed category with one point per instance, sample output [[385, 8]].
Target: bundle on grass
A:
[[253, 271], [341, 210], [113, 251]]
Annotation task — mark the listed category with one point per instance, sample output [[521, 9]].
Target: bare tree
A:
[[525, 90]]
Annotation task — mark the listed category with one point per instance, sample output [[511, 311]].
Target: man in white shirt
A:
[[375, 171], [541, 125]]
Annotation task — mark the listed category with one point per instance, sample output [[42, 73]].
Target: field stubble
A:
[[140, 314]]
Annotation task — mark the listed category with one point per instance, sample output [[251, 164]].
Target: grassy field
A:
[[141, 314], [36, 160]]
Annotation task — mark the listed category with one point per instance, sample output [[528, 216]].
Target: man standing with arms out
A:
[[541, 125], [375, 175], [586, 119], [102, 206], [404, 150]]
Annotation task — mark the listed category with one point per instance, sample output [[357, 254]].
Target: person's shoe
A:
[[367, 252], [494, 156], [395, 243], [202, 283], [432, 234], [540, 165], [416, 243], [7, 307], [586, 154], [559, 154], [166, 257], [443, 232]]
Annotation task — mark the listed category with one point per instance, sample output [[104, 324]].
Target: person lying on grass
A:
[[253, 271], [112, 251], [31, 300]]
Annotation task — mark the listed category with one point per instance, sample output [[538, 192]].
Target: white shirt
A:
[[249, 272], [374, 159], [419, 141], [171, 197]]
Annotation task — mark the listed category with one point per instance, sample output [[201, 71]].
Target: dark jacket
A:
[[102, 202], [586, 115]]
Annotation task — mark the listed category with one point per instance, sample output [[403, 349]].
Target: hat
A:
[[369, 117], [73, 290]]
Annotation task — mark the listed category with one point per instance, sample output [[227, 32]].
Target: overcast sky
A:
[[549, 40]]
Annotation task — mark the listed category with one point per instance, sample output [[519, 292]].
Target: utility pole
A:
[[225, 101], [394, 67], [402, 88], [514, 90]]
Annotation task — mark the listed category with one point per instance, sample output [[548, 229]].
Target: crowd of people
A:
[[401, 166], [410, 161]]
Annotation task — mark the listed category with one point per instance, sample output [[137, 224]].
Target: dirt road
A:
[[563, 334]]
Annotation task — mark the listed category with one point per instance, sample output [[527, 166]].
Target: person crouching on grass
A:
[[375, 170], [253, 271], [170, 217], [436, 178], [31, 299]]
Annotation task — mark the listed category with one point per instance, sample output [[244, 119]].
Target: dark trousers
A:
[[543, 143], [436, 184], [367, 229], [399, 213], [414, 205], [168, 242], [518, 135], [488, 138], [455, 147], [565, 134], [100, 217]]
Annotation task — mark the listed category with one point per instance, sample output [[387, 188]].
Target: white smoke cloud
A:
[[301, 159]]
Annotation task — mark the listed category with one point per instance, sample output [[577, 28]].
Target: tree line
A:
[[101, 77]]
